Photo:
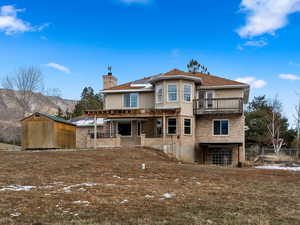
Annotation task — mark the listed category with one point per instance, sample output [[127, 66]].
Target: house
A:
[[85, 129], [42, 131], [194, 117]]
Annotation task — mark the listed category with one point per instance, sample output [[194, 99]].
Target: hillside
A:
[[10, 111]]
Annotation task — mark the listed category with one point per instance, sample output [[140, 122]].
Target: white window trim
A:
[[138, 101], [176, 92], [191, 126], [168, 125], [156, 95], [191, 93], [220, 135]]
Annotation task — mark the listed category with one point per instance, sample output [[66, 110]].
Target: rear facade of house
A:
[[194, 117]]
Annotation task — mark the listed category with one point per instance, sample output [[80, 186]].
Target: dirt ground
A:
[[108, 187]]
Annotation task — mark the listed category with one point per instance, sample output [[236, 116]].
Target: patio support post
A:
[[164, 128], [95, 131]]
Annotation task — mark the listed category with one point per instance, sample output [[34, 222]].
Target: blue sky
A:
[[255, 41]]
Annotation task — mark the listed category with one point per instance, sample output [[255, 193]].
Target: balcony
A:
[[218, 106]]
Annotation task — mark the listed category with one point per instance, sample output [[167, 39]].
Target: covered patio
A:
[[136, 127]]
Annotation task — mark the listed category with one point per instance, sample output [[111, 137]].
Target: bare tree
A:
[[274, 124], [22, 85]]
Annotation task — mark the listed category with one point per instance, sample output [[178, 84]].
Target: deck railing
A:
[[218, 105]]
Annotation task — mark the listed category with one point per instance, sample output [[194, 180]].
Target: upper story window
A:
[[187, 95], [159, 94], [221, 127], [131, 100], [172, 92]]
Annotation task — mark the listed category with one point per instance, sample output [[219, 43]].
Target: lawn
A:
[[108, 187]]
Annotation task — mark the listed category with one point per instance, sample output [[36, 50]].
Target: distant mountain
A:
[[11, 111]]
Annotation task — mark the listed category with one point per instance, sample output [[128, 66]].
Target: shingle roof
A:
[[207, 80]]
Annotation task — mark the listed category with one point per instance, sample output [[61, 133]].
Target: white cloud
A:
[[289, 77], [259, 43], [266, 16], [59, 67], [135, 1], [292, 63], [10, 24], [252, 81]]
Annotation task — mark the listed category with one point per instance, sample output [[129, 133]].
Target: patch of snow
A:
[[149, 196], [124, 201], [115, 176], [68, 188], [130, 179], [17, 188], [168, 195], [110, 185], [15, 214], [278, 167], [81, 202], [87, 122]]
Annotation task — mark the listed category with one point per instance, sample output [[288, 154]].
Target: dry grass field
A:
[[108, 187]]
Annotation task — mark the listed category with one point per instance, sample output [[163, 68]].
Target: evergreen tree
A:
[[89, 101], [194, 66]]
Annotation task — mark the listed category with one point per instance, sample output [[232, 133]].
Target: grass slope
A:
[[90, 187]]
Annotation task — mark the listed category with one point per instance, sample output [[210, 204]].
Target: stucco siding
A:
[[229, 93], [204, 129], [115, 100]]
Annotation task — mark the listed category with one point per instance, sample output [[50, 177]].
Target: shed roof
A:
[[51, 117]]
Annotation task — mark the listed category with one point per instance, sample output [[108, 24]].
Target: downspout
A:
[[95, 131]]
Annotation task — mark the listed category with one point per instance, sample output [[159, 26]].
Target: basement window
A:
[[221, 127], [172, 125]]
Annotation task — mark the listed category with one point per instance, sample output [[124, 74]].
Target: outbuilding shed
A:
[[42, 131]]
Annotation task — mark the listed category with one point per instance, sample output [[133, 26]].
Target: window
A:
[[209, 99], [187, 93], [221, 127], [159, 94], [172, 92], [131, 100], [172, 124], [187, 126]]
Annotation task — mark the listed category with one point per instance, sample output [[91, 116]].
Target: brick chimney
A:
[[109, 81]]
